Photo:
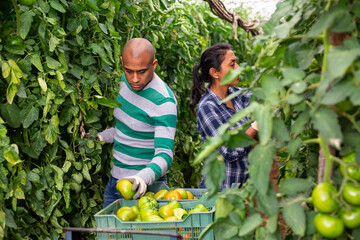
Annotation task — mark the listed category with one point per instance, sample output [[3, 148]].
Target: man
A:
[[144, 132]]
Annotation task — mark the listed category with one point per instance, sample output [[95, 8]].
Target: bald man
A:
[[144, 131]]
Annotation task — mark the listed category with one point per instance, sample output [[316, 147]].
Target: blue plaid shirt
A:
[[211, 114]]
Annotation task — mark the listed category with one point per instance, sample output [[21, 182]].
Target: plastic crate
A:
[[189, 228], [157, 186]]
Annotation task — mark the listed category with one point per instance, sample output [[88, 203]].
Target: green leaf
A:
[[55, 4], [36, 61], [292, 75], [223, 207], [326, 122], [294, 145], [243, 113], [239, 139], [339, 60], [98, 49], [264, 121], [5, 68], [294, 216], [10, 92], [66, 166], [67, 114], [85, 172], [299, 87], [283, 30], [214, 170], [292, 186], [87, 60], [19, 193], [326, 20], [9, 218], [294, 99], [42, 84], [11, 114], [52, 129], [305, 57], [231, 75], [11, 157], [76, 71], [260, 162], [250, 224], [279, 130], [25, 20], [54, 41], [69, 154], [28, 115], [16, 69], [300, 122], [339, 92], [52, 63], [108, 103], [59, 183], [268, 203], [37, 142]]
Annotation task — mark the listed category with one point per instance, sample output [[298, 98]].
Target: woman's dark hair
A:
[[211, 58]]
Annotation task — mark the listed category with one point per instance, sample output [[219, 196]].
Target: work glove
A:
[[254, 126], [88, 136], [139, 186]]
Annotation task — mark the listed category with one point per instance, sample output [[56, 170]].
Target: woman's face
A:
[[229, 63]]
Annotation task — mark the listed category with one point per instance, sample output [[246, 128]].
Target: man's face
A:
[[138, 71]]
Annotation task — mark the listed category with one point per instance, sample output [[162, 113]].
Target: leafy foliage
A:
[[306, 83], [60, 65]]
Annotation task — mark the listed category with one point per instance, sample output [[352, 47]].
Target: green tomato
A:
[[351, 218], [352, 171], [323, 198], [27, 2], [351, 194], [328, 226]]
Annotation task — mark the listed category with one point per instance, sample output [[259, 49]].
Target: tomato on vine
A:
[[328, 226], [323, 198], [351, 194], [351, 218], [27, 2], [352, 171]]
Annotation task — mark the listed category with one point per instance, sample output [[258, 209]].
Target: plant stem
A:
[[17, 15], [328, 159]]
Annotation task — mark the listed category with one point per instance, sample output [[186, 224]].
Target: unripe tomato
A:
[[124, 187], [328, 226], [27, 2], [351, 194], [351, 218], [352, 171], [323, 198]]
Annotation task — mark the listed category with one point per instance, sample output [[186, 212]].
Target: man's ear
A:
[[121, 60], [155, 62]]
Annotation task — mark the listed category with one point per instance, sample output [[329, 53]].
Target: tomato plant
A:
[[323, 198], [328, 226]]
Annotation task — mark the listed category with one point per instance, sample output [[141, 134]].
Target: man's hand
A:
[[139, 186]]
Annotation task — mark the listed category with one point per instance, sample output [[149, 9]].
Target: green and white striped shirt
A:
[[144, 132]]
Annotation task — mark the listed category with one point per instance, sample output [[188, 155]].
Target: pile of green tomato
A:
[[338, 210]]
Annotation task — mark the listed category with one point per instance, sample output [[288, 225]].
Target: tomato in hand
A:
[[323, 198], [351, 218], [328, 226], [351, 194]]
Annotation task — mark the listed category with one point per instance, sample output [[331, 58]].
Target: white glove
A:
[[254, 126], [139, 186]]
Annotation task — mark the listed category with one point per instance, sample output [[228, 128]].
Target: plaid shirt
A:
[[211, 114]]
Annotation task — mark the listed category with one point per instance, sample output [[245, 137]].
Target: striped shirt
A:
[[144, 131], [211, 114]]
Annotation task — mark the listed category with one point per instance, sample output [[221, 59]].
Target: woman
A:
[[215, 62]]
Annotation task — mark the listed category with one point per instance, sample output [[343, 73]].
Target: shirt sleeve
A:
[[209, 120], [164, 135], [107, 135]]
